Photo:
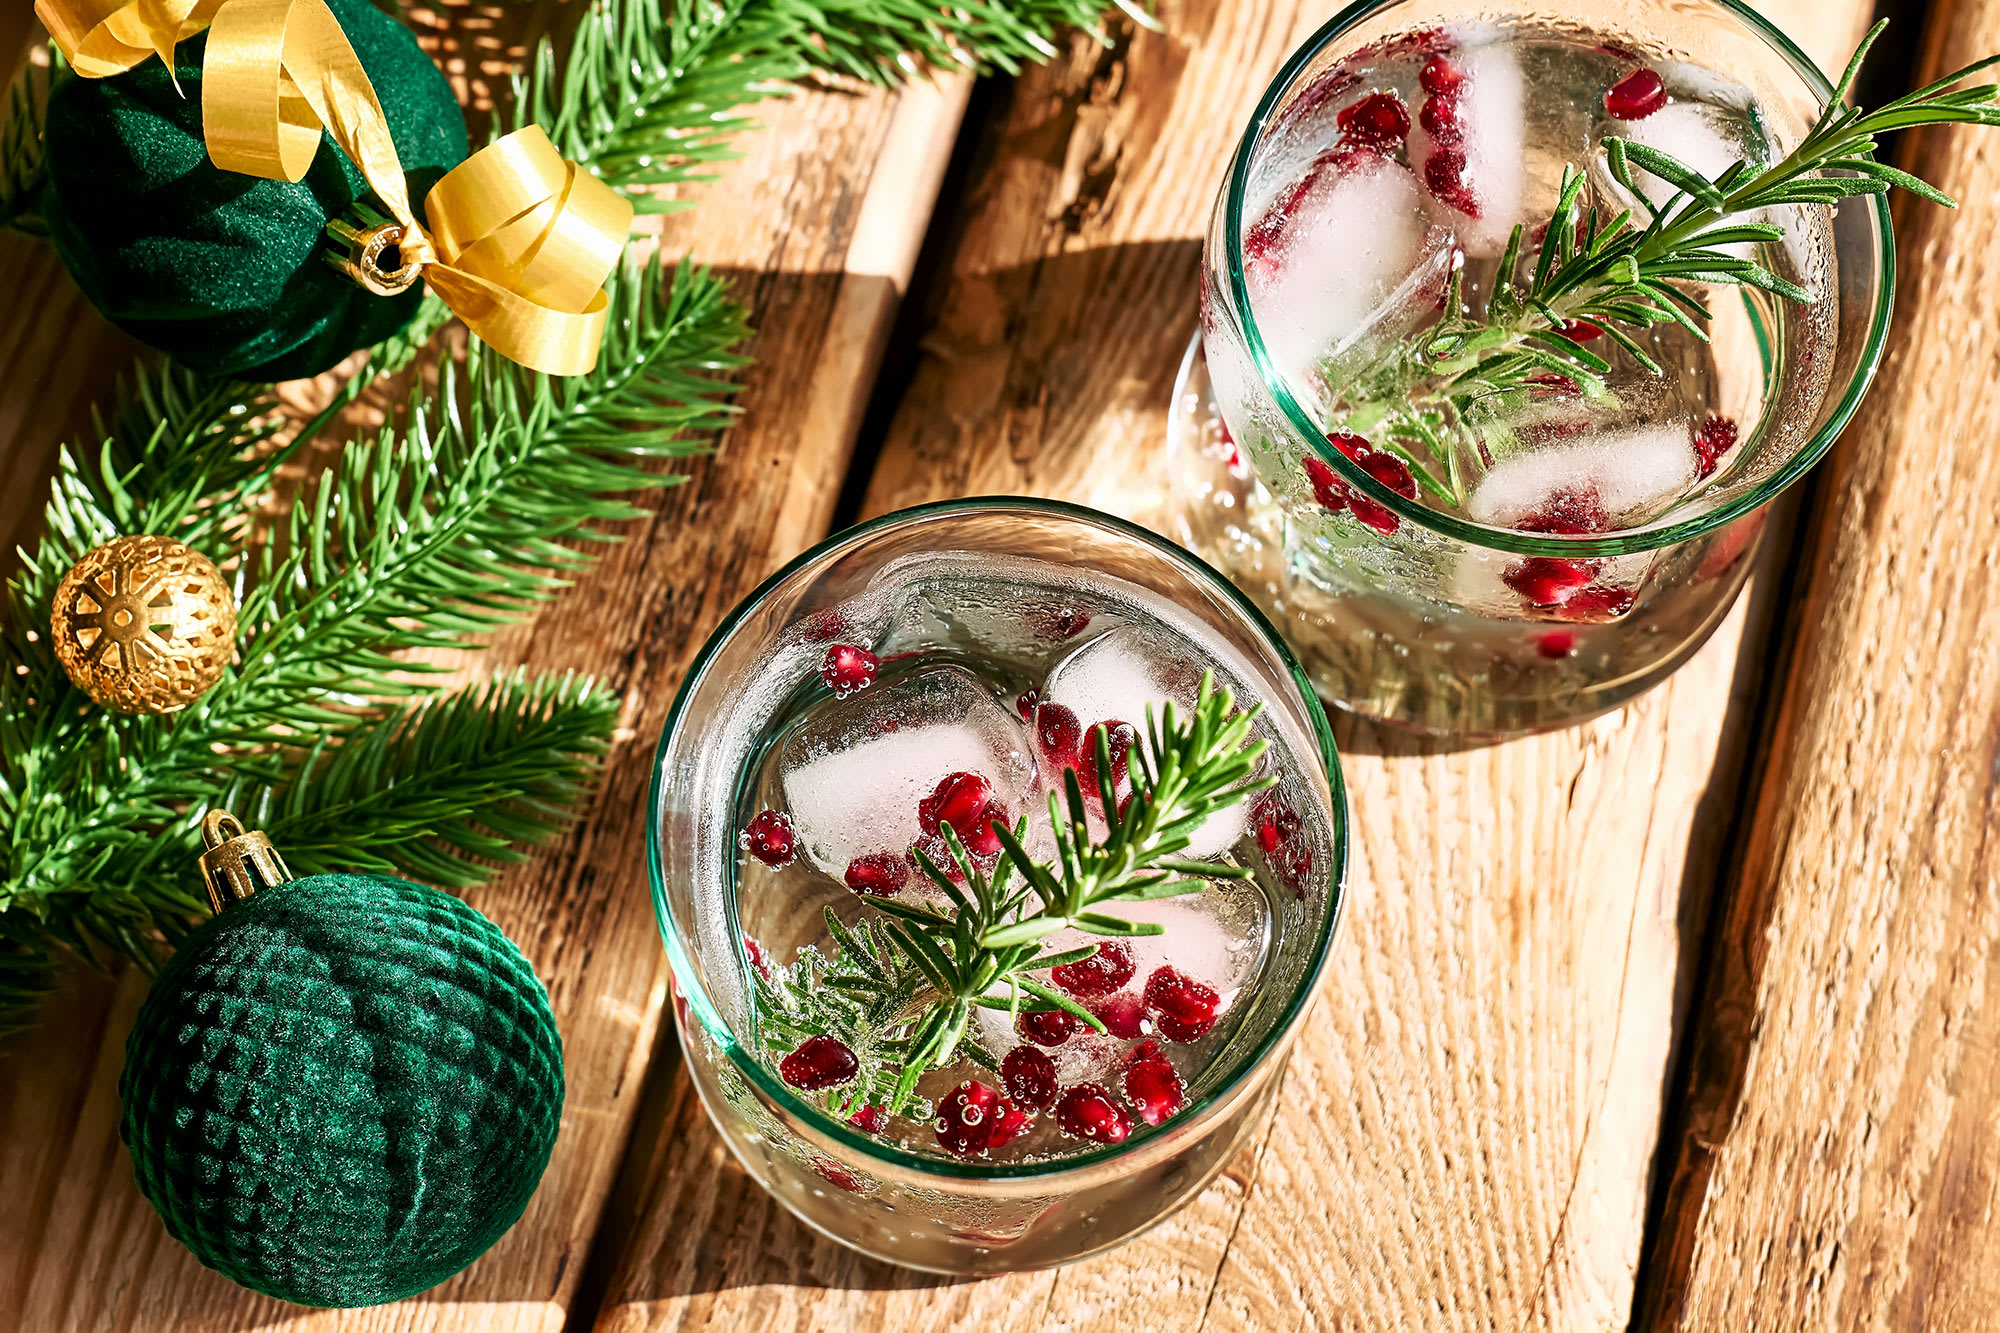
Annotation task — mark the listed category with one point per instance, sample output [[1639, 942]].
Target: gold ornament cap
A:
[[238, 861], [144, 624]]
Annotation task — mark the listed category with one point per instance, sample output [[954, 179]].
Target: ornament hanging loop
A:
[[238, 861], [359, 253]]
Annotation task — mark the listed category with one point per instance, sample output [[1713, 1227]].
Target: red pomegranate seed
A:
[[1103, 972], [1440, 77], [1123, 1015], [1439, 117], [1636, 96], [984, 841], [959, 800], [1717, 436], [1086, 1111], [1277, 822], [1549, 580], [826, 626], [1379, 120], [1046, 1027], [758, 958], [1025, 705], [1327, 487], [1059, 734], [1569, 513], [1579, 330], [1392, 472], [1119, 738], [838, 1176], [1354, 446], [1153, 1084], [1185, 1009], [770, 838], [819, 1062], [848, 668], [1030, 1076], [1444, 173], [869, 1120], [1599, 604], [1056, 623], [1556, 644], [1371, 515], [1561, 386], [975, 1118], [878, 874]]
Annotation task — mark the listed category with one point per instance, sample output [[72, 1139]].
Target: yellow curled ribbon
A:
[[520, 240]]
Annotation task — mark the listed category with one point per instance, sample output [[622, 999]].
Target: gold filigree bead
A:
[[144, 624]]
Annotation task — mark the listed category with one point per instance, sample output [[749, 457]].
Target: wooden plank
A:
[[820, 224], [1471, 1116], [1838, 1164]]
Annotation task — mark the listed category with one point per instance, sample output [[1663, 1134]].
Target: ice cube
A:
[[1113, 678], [1346, 256], [1492, 113], [855, 771], [1626, 471]]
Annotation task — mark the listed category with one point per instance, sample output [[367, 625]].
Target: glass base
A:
[[1430, 649]]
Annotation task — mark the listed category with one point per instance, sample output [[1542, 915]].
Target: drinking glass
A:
[[1413, 618], [922, 1209]]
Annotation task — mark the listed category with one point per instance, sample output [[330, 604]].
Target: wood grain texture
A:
[[1472, 1113], [819, 227], [1839, 1164]]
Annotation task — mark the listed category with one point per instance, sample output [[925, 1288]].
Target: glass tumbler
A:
[[892, 1201], [1417, 615]]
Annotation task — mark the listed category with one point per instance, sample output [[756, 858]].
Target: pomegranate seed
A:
[[878, 874], [869, 1120], [1119, 738], [1439, 118], [1561, 386], [1059, 734], [1556, 644], [1056, 623], [838, 1176], [1717, 436], [848, 668], [1103, 972], [758, 958], [1379, 120], [1025, 705], [1569, 513], [1636, 96], [1444, 176], [1046, 1027], [1123, 1015], [1440, 77], [819, 1062], [1579, 330], [769, 838], [1371, 515], [1031, 1077], [1354, 446], [1599, 604], [1277, 822], [1392, 472], [975, 1118], [1327, 487], [826, 626], [984, 841], [1549, 580], [933, 846], [1184, 1008], [1153, 1085], [1086, 1111], [959, 800]]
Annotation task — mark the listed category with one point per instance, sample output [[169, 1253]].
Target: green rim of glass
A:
[[679, 957], [1506, 539]]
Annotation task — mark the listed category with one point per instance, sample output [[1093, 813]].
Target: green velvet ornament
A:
[[223, 271], [342, 1089]]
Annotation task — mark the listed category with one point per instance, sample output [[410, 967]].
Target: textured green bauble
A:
[[343, 1089], [219, 270]]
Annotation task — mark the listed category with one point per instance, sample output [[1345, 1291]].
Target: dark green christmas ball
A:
[[343, 1089], [220, 270]]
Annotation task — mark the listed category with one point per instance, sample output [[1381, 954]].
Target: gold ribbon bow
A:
[[520, 240]]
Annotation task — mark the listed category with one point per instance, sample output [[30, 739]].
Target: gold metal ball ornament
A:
[[144, 624]]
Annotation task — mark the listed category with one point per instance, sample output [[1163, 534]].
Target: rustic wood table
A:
[[1687, 1017]]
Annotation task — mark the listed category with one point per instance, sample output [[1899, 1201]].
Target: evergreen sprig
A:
[[23, 167], [981, 952]]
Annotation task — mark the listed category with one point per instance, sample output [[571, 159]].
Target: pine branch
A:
[[23, 168]]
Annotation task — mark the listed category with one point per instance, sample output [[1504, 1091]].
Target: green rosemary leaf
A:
[[1021, 932], [1097, 923], [1049, 995]]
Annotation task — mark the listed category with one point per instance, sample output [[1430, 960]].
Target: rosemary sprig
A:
[[1623, 276], [921, 972]]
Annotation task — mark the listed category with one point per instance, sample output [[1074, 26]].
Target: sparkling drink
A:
[[1473, 506], [871, 746]]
